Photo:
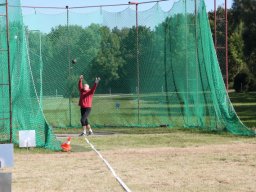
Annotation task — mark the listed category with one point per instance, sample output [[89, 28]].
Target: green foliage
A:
[[244, 81], [252, 83], [87, 48], [108, 60], [99, 51], [245, 11], [252, 63], [236, 50], [241, 33], [72, 90]]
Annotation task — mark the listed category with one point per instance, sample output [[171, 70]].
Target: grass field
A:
[[153, 111], [245, 106], [146, 159]]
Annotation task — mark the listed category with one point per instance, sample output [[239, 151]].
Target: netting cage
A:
[[157, 67]]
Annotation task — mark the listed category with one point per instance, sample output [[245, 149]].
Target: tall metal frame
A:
[[137, 48], [225, 47], [69, 67], [9, 67], [137, 57], [137, 41]]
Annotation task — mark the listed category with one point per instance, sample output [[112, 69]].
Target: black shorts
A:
[[84, 116]]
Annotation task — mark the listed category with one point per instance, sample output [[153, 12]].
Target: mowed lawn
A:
[[245, 106], [122, 110]]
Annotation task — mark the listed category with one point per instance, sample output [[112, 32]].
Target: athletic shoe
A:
[[90, 133], [82, 134]]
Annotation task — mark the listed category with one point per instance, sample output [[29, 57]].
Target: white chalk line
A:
[[110, 168]]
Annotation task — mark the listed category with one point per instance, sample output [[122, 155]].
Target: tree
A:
[[108, 60], [236, 55], [86, 49], [243, 80], [241, 33], [131, 49], [245, 11], [62, 45]]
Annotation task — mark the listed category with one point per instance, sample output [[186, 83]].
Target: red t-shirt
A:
[[86, 96]]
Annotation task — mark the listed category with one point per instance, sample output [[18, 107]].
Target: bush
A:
[[244, 81], [252, 84]]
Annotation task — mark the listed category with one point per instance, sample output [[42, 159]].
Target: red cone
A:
[[66, 146]]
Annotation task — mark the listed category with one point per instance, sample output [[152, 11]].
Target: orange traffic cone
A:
[[66, 146]]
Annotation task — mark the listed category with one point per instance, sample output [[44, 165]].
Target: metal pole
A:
[[138, 65], [91, 6], [137, 58], [69, 77], [165, 67], [41, 70], [9, 68], [197, 66], [186, 107], [215, 26], [226, 42]]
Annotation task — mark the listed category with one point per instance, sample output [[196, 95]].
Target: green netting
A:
[[163, 72], [4, 89], [27, 113]]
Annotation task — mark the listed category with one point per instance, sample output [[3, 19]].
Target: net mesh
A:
[[27, 113], [157, 68]]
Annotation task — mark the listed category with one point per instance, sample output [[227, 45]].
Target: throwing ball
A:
[[74, 61]]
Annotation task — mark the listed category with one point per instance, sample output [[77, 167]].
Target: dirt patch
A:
[[230, 167], [208, 168]]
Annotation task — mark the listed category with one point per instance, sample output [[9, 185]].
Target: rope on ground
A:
[[110, 168]]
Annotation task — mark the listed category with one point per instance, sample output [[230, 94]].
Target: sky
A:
[[36, 21], [74, 3]]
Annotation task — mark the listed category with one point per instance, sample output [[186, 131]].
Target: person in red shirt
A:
[[85, 103]]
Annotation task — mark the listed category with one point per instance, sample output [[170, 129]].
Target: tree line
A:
[[241, 43], [112, 54], [98, 50]]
